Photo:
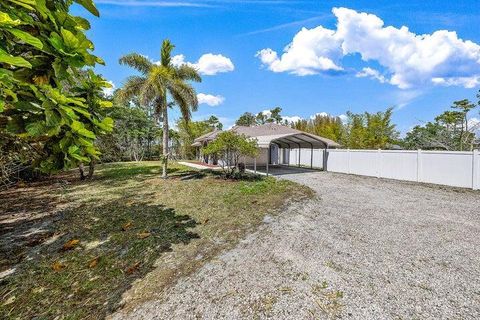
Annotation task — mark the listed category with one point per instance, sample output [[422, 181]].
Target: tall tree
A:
[[159, 83], [247, 120]]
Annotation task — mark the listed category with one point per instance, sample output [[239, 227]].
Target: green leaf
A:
[[80, 158], [6, 20], [28, 4], [88, 4], [27, 38], [82, 23], [2, 106], [36, 129], [69, 39], [73, 149], [86, 133], [14, 61]]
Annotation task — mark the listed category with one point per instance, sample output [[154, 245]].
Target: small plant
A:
[[229, 147]]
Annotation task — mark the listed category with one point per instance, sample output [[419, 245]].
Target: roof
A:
[[269, 133], [207, 137], [284, 136]]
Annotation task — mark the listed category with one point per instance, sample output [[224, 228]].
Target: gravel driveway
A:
[[364, 249]]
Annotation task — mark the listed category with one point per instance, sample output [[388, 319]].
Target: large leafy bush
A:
[[47, 98]]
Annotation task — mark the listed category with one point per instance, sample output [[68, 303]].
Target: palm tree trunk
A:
[[165, 140]]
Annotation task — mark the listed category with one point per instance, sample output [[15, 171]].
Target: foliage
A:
[[46, 100], [189, 131], [273, 116], [229, 147], [247, 119], [157, 84], [449, 131], [135, 136], [324, 126]]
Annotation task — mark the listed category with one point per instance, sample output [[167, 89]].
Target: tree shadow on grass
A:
[[118, 243]]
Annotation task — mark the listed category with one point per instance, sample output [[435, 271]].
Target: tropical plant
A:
[[157, 84], [42, 52], [229, 147]]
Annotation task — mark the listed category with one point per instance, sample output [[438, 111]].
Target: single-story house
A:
[[278, 144]]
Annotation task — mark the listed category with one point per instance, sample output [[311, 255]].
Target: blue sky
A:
[[352, 62]]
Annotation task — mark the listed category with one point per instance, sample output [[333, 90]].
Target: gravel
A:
[[366, 248]]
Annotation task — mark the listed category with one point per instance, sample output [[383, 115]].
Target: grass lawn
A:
[[73, 249]]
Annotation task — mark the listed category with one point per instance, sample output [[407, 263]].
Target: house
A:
[[278, 144]]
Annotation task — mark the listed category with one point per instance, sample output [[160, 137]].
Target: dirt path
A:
[[365, 249]]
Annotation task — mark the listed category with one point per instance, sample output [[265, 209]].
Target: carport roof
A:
[[284, 136], [295, 140]]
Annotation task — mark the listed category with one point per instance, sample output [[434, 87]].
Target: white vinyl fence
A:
[[452, 168]]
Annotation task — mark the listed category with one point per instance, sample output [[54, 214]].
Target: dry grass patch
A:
[[79, 253]]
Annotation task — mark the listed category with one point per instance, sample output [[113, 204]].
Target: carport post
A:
[[299, 154], [268, 157], [311, 158]]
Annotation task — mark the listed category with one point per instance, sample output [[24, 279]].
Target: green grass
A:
[[188, 218]]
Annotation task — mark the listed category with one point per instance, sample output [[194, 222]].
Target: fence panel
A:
[[448, 168], [458, 169]]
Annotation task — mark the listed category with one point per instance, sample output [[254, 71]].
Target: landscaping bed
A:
[[73, 249]]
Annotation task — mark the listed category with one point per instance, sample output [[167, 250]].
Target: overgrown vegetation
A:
[[76, 250]]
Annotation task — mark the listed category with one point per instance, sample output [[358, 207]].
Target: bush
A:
[[228, 147]]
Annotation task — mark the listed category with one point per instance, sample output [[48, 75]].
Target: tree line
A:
[[451, 130]]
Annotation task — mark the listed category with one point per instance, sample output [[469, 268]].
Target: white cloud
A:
[[467, 82], [109, 91], [319, 114], [209, 64], [209, 99], [409, 59], [291, 119], [474, 124], [371, 73]]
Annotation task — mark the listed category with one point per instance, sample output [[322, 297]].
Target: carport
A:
[[280, 145]]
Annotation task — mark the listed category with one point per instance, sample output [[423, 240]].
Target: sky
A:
[[305, 56]]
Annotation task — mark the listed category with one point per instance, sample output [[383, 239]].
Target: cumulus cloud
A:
[[209, 64], [409, 59], [319, 114], [109, 91], [209, 99], [371, 73], [291, 119]]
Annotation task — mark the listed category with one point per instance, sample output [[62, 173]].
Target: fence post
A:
[[379, 163], [475, 169], [348, 161], [419, 166]]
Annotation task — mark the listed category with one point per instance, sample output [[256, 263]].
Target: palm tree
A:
[[159, 83]]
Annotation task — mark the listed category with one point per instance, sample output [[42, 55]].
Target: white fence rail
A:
[[452, 168]]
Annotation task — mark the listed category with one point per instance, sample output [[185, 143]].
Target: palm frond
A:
[[166, 52], [137, 61], [131, 88], [184, 96], [186, 72]]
